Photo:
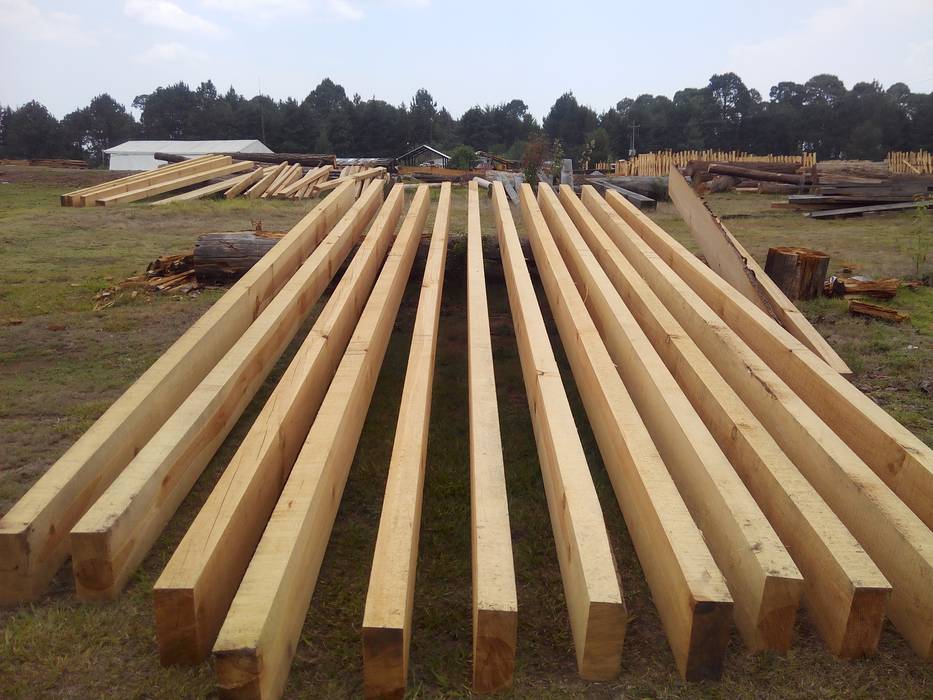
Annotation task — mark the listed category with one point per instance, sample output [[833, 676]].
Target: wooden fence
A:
[[659, 163], [909, 163]]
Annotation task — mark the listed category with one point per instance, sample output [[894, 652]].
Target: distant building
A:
[[424, 155], [140, 155]]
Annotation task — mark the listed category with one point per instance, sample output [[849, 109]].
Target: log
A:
[[885, 288], [799, 272], [227, 255], [308, 160], [760, 175]]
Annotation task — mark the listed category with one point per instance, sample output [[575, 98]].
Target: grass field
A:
[[62, 363]]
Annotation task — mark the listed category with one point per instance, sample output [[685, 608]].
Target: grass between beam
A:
[[56, 382]]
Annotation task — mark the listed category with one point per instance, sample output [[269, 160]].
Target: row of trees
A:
[[821, 115]]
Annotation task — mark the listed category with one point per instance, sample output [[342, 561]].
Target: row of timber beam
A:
[[752, 476], [283, 181]]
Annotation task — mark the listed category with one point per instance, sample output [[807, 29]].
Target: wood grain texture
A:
[[391, 593], [195, 590], [34, 533], [495, 601], [591, 584], [687, 586], [184, 179], [845, 592], [256, 644]]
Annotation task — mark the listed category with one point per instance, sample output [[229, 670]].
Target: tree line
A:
[[820, 115]]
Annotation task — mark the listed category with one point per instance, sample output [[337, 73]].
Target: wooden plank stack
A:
[[752, 476], [659, 163], [210, 176]]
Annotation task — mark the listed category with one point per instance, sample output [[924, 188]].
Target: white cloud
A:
[[171, 52], [850, 38], [162, 13], [333, 10], [23, 18]]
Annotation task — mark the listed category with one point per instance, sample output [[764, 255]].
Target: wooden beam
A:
[[687, 586], [290, 174], [896, 540], [312, 176], [208, 190], [257, 642], [183, 180], [195, 590], [156, 178], [248, 181], [113, 537], [33, 534], [257, 190], [591, 584], [391, 593], [80, 198], [763, 579], [731, 261], [895, 454], [352, 177], [495, 601], [843, 589]]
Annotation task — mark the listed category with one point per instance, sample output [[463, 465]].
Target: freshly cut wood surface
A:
[[731, 261], [287, 177], [843, 589], [763, 579], [34, 533], [257, 642], [195, 589], [111, 539], [894, 537], [247, 182], [899, 457], [686, 584], [312, 176], [72, 198], [184, 179], [345, 176], [208, 190], [495, 601], [271, 176], [390, 597], [591, 584]]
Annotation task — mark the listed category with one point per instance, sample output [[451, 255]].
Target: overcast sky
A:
[[464, 52]]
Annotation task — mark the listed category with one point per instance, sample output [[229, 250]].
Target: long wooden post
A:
[[184, 179], [733, 263], [895, 454], [389, 600], [763, 579], [895, 538], [591, 586], [194, 592], [111, 539], [495, 601], [843, 589], [34, 533], [257, 642], [686, 584]]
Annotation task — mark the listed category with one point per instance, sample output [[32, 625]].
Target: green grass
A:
[[56, 382]]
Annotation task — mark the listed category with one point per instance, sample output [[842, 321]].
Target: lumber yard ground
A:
[[62, 364]]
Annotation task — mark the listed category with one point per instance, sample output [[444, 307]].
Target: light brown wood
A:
[[73, 198], [895, 538], [389, 599], [731, 261], [495, 601], [844, 591], [257, 642], [591, 584], [289, 176], [34, 533], [194, 592], [208, 190], [111, 539], [265, 183], [686, 584], [352, 177], [312, 176], [895, 454], [250, 180], [764, 581], [183, 180]]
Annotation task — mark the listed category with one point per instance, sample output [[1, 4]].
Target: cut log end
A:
[[799, 272]]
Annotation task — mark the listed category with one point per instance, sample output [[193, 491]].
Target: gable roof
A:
[[419, 149], [190, 147]]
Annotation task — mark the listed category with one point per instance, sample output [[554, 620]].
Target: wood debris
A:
[[886, 313]]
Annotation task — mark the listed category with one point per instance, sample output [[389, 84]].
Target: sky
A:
[[465, 52]]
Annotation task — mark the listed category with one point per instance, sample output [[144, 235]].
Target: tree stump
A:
[[799, 272], [220, 256]]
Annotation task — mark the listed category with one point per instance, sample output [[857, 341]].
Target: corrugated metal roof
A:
[[191, 147]]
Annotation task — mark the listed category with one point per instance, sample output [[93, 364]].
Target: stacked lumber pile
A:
[[910, 162], [660, 162], [216, 175], [48, 162], [752, 476]]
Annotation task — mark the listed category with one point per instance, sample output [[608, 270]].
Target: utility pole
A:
[[631, 150], [262, 120]]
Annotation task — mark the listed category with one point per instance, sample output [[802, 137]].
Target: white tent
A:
[[139, 155]]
